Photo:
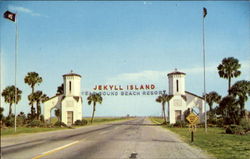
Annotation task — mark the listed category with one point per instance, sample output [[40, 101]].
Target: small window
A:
[[70, 86], [177, 85]]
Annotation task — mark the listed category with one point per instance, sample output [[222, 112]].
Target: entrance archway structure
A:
[[70, 102]]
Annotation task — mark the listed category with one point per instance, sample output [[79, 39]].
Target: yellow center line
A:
[[104, 132], [54, 150]]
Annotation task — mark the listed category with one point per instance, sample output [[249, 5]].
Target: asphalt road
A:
[[137, 138]]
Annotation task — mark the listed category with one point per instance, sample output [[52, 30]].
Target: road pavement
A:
[[137, 138]]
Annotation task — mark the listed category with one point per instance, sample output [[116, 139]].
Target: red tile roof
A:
[[176, 73], [72, 74]]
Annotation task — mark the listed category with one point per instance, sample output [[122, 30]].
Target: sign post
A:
[[192, 119]]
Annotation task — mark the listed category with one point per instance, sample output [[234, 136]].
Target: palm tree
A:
[[211, 98], [43, 98], [38, 97], [9, 96], [94, 98], [241, 91], [1, 116], [32, 78], [230, 110], [163, 99], [229, 68]]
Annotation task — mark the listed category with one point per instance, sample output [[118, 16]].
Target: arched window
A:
[[70, 86], [177, 85]]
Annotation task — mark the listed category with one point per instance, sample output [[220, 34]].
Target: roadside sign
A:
[[192, 127], [192, 118]]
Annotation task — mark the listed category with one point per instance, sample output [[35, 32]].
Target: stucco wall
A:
[[70, 104], [176, 103], [54, 102], [193, 101]]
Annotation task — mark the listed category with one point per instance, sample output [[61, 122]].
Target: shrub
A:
[[42, 118], [220, 122], [81, 122], [60, 124], [212, 121], [245, 124], [35, 123], [235, 129], [171, 125], [48, 125], [10, 121], [29, 118], [20, 120], [180, 123]]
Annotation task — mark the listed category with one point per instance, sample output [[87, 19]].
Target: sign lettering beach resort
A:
[[125, 90]]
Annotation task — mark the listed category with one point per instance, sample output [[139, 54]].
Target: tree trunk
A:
[[162, 115], [93, 113], [38, 110], [229, 85], [163, 107], [210, 108], [32, 105], [10, 109]]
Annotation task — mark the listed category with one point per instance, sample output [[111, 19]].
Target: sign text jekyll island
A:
[[128, 90], [128, 87]]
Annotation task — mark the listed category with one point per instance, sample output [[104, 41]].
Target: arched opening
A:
[[54, 116], [196, 110]]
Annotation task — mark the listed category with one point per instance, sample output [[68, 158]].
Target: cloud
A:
[[245, 69], [157, 76], [144, 76], [145, 2], [24, 10]]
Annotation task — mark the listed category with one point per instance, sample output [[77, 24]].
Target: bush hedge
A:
[[60, 124], [235, 129], [9, 121], [35, 123], [180, 123], [81, 122], [245, 124]]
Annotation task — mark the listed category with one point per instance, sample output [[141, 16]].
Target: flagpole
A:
[[1, 156], [16, 49], [204, 70]]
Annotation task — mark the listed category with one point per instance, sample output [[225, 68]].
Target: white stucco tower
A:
[[71, 108], [177, 104], [181, 99], [70, 102], [176, 83]]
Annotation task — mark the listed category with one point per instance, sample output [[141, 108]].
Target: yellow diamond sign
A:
[[192, 118]]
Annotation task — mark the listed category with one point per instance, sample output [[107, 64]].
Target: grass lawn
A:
[[20, 130], [99, 120], [216, 142]]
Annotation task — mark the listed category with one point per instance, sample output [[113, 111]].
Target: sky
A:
[[120, 43]]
